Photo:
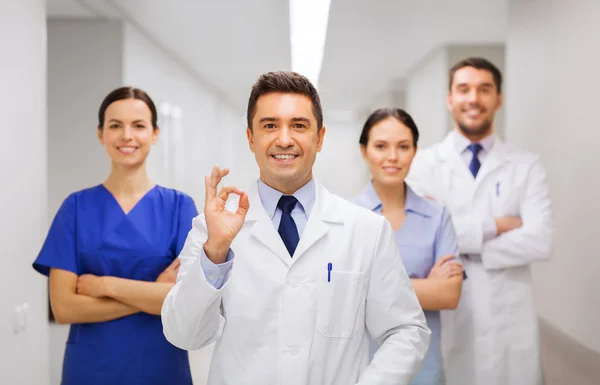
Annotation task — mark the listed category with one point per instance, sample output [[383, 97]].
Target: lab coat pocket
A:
[[505, 199], [339, 303]]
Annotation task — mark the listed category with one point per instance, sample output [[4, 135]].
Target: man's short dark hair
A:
[[480, 64], [286, 83]]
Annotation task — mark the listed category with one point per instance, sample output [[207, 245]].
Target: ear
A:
[[500, 101], [250, 139], [321, 135], [155, 134], [363, 151], [100, 134], [449, 101]]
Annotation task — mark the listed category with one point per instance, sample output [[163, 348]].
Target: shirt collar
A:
[[269, 197], [414, 203], [461, 143]]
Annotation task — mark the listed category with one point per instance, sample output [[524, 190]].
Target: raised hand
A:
[[222, 225]]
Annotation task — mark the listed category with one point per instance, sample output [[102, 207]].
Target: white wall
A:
[[84, 64], [426, 90], [339, 165], [552, 103], [23, 201], [211, 129]]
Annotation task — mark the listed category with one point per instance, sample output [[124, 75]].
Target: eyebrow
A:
[[478, 85], [387, 140], [301, 119], [135, 121], [294, 119], [268, 119]]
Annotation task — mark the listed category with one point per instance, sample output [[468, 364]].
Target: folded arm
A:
[[69, 307], [147, 297], [533, 240], [438, 293]]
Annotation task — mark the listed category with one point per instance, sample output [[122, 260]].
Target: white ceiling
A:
[[227, 43], [372, 45], [68, 9]]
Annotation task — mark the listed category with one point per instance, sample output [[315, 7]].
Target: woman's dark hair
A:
[[384, 113], [124, 93]]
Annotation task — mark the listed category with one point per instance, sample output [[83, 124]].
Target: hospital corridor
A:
[[299, 192]]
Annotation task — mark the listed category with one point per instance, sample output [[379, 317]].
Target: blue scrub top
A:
[[91, 234], [426, 235]]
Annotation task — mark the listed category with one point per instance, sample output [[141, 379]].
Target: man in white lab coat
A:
[[500, 206], [287, 278]]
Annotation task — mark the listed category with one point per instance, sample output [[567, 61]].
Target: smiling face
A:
[[473, 100], [389, 151], [285, 140], [127, 133]]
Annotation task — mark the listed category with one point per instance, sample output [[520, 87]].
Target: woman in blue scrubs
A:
[[424, 232], [111, 257]]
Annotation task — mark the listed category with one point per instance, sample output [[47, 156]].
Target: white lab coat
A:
[[278, 320], [492, 337]]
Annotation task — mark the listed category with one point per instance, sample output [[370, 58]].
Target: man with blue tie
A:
[[500, 206], [287, 278]]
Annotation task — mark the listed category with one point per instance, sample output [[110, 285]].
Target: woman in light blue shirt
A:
[[424, 232]]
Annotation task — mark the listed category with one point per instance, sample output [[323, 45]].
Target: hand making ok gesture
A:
[[222, 225]]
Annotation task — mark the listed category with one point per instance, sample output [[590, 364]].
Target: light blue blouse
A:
[[426, 235]]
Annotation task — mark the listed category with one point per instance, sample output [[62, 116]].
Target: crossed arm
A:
[[442, 288], [89, 298]]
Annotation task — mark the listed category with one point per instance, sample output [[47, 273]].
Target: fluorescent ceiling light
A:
[[308, 29]]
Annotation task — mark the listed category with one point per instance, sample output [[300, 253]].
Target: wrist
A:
[[499, 226], [108, 286], [216, 251]]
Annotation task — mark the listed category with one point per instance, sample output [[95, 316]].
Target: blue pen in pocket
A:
[[497, 189], [329, 272]]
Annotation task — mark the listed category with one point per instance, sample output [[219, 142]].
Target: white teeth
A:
[[285, 156], [127, 150]]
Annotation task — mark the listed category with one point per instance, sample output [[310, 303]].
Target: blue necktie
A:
[[475, 164], [287, 226]]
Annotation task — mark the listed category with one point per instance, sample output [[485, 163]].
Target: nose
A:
[[393, 154], [285, 138], [473, 96], [126, 133]]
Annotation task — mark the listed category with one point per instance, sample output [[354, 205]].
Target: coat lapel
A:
[[262, 227], [319, 222], [324, 214], [496, 158], [448, 155]]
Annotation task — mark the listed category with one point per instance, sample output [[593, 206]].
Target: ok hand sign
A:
[[222, 225]]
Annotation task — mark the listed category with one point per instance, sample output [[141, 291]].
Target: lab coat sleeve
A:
[[191, 312], [533, 240], [471, 230], [394, 317]]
